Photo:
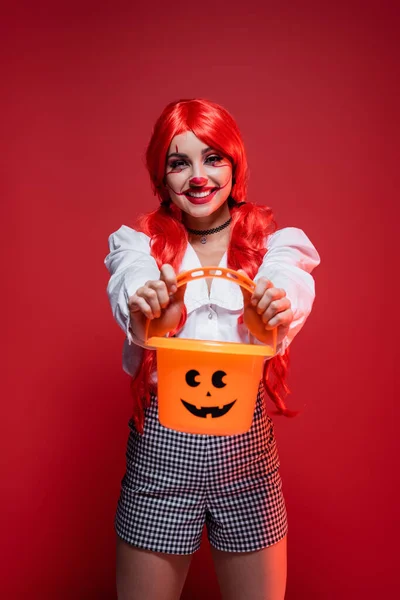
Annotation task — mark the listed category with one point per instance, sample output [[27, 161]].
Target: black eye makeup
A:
[[177, 164], [214, 158]]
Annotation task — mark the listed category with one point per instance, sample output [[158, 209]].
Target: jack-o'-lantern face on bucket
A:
[[204, 410], [207, 393]]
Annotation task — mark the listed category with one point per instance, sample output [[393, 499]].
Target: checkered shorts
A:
[[176, 482]]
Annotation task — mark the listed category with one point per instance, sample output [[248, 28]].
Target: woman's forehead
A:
[[187, 142]]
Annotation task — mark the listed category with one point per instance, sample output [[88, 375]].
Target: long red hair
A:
[[250, 226]]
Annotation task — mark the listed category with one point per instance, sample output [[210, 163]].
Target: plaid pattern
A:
[[176, 482]]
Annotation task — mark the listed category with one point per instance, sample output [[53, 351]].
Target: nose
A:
[[198, 181]]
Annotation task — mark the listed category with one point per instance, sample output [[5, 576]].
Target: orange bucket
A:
[[209, 387]]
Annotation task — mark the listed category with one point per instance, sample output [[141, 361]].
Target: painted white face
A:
[[198, 178]]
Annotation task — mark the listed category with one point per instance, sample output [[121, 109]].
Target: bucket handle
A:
[[222, 273]]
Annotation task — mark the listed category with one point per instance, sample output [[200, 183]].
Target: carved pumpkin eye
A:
[[217, 379], [190, 378]]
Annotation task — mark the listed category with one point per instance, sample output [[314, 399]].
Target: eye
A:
[[190, 378], [214, 158], [217, 379], [177, 164]]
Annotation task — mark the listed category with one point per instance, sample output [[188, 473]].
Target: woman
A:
[[176, 482]]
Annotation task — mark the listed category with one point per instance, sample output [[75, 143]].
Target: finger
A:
[[137, 304], [161, 290], [151, 297], [271, 295], [246, 294], [262, 285], [168, 275], [282, 319], [276, 306]]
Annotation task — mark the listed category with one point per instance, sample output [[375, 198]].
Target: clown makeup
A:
[[198, 178]]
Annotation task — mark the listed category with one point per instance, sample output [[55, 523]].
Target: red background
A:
[[314, 89]]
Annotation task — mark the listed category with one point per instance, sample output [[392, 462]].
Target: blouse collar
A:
[[222, 293]]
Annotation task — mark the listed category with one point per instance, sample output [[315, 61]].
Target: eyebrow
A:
[[180, 154]]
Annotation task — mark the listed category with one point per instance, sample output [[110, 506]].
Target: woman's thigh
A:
[[150, 575], [259, 575]]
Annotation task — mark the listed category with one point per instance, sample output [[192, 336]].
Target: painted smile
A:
[[200, 195], [212, 412], [196, 197]]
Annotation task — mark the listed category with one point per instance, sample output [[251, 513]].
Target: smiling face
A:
[[198, 178], [209, 410]]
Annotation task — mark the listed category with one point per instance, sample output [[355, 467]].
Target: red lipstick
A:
[[199, 190], [204, 200]]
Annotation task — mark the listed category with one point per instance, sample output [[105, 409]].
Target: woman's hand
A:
[[266, 308], [161, 301]]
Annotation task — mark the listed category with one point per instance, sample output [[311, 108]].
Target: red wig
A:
[[250, 226]]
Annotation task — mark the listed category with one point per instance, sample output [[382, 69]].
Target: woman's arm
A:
[[130, 266], [288, 263]]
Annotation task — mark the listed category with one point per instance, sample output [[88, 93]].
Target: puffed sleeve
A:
[[130, 266], [288, 263]]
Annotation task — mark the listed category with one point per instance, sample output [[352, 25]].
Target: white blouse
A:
[[288, 263]]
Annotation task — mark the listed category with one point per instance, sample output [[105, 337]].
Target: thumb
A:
[[246, 294]]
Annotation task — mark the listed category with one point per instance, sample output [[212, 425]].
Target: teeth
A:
[[199, 194]]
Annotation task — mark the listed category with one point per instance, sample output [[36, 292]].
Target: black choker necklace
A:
[[205, 232]]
